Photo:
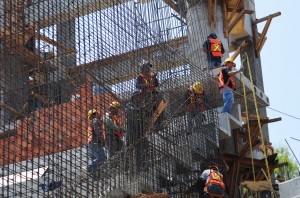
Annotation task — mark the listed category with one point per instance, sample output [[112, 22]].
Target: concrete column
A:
[[257, 76], [198, 30], [67, 37]]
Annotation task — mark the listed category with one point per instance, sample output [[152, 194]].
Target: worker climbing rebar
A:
[[195, 103], [112, 131], [96, 144]]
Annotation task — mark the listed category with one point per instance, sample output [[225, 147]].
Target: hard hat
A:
[[91, 112], [228, 60], [214, 167], [145, 63], [115, 104], [198, 88], [213, 35]]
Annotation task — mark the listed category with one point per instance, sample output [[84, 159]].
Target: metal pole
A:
[[293, 154]]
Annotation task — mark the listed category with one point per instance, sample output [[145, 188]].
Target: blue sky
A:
[[281, 70]]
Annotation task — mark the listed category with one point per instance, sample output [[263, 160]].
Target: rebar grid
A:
[[59, 59]]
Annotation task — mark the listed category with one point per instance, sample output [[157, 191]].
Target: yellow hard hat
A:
[[115, 104], [198, 88], [228, 60], [91, 112]]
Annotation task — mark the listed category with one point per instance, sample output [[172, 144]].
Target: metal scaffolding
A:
[[60, 59]]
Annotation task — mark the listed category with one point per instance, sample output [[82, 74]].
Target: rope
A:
[[248, 127], [259, 125]]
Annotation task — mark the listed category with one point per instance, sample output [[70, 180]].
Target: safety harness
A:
[[149, 79]]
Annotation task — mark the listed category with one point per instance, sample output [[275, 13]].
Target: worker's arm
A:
[[222, 49], [232, 73], [139, 83], [156, 82], [205, 46], [108, 122], [96, 128]]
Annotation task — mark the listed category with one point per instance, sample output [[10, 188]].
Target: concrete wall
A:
[[290, 189]]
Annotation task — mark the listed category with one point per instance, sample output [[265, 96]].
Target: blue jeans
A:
[[214, 63], [97, 153], [228, 100]]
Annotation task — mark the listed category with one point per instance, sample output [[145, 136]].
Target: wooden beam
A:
[[237, 18], [254, 116], [238, 51], [172, 5], [32, 32], [234, 10], [263, 35], [266, 18], [11, 109], [225, 20], [262, 45], [162, 105]]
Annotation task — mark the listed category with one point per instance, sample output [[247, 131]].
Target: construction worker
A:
[[195, 100], [136, 121], [214, 50], [112, 131], [213, 183], [147, 83], [227, 85], [96, 144]]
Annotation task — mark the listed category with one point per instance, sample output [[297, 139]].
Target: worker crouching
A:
[[213, 183]]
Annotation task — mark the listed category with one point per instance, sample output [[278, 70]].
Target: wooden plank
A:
[[172, 5], [237, 18], [238, 51], [162, 105], [225, 20], [254, 116], [234, 10], [32, 32], [11, 109], [266, 18], [263, 35]]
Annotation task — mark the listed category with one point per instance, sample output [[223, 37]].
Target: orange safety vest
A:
[[216, 48], [215, 178], [149, 79], [115, 120], [193, 99], [222, 83]]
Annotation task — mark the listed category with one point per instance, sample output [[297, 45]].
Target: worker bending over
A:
[[213, 183]]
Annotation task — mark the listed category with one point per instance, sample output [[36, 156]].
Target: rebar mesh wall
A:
[[59, 59]]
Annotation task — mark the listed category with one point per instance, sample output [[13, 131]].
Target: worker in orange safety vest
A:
[[214, 50], [195, 104], [227, 85], [112, 131], [214, 186], [96, 144]]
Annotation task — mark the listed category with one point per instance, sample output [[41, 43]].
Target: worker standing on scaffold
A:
[[214, 50], [147, 83], [227, 85]]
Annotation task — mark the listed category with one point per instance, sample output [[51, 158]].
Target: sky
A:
[[281, 70]]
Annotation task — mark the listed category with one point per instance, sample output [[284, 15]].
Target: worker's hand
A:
[[241, 69]]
